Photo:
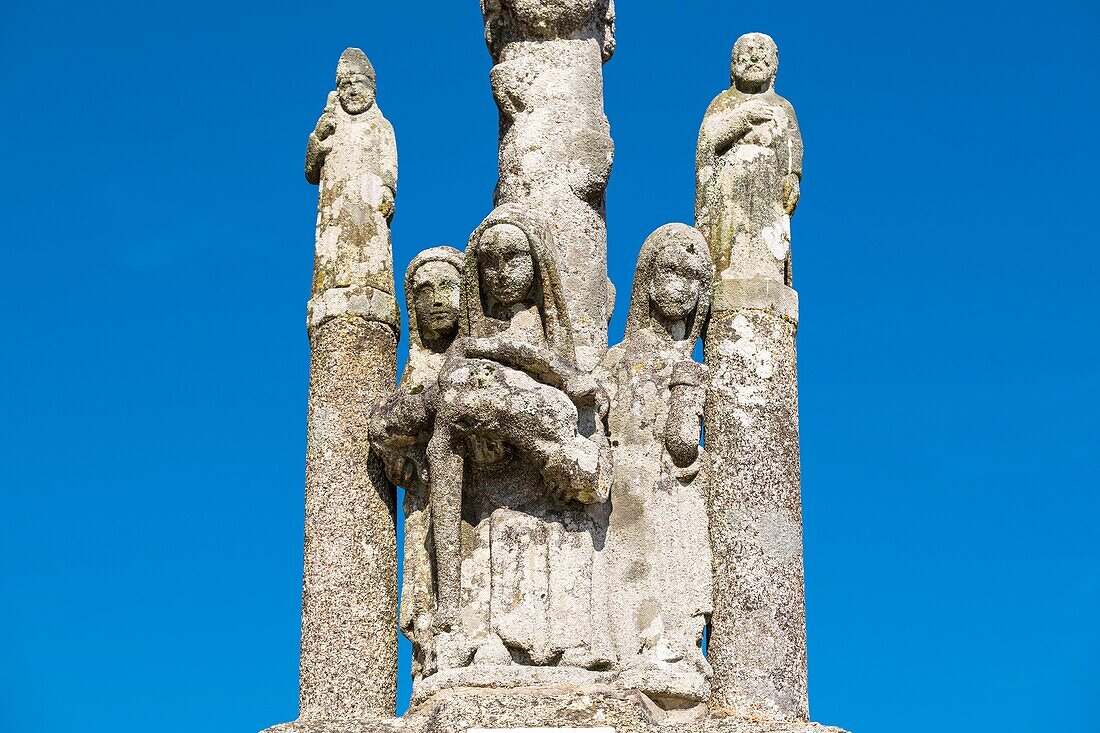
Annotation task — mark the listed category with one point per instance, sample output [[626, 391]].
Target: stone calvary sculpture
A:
[[594, 538]]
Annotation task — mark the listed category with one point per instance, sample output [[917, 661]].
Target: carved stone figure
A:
[[349, 593], [748, 168], [401, 427], [658, 551], [510, 471], [555, 143], [352, 156]]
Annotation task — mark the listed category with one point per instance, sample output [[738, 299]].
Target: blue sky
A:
[[157, 244]]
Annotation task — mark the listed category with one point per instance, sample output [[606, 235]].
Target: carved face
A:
[[505, 264], [435, 298], [678, 278], [755, 61], [356, 91]]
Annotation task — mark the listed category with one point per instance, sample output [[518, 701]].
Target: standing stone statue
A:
[[555, 142], [657, 550], [749, 166], [349, 596], [402, 425]]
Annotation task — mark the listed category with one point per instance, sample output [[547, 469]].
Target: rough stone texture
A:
[[748, 168], [757, 644], [567, 538], [555, 142], [349, 595], [352, 157], [656, 561], [553, 707]]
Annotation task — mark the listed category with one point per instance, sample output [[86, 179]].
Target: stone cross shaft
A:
[[555, 142]]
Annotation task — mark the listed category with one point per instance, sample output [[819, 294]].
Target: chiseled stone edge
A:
[[756, 294], [370, 303], [504, 678]]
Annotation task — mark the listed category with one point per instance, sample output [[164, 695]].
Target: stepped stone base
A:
[[549, 709]]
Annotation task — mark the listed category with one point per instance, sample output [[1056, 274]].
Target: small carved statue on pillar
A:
[[748, 168]]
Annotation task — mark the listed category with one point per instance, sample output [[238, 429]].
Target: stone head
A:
[[672, 283], [680, 272], [506, 266], [436, 286], [355, 82], [754, 63]]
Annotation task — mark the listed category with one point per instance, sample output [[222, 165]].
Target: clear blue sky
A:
[[157, 245]]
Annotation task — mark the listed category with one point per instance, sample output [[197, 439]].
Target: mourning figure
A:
[[401, 426], [657, 551]]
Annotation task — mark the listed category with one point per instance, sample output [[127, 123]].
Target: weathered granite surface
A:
[[402, 424], [553, 707], [514, 485], [656, 559], [349, 593]]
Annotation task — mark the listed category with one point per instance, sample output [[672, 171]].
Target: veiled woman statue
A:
[[511, 473], [402, 424], [657, 551]]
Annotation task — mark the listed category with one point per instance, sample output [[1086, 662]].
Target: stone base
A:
[[551, 708]]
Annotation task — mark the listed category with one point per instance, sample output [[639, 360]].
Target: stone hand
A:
[[326, 126], [760, 113], [582, 388]]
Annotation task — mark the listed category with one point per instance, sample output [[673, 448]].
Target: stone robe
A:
[[739, 201]]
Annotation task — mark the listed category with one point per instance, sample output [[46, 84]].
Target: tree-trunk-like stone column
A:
[[555, 141], [749, 166], [349, 595]]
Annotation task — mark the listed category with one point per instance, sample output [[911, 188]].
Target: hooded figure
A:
[[658, 550], [506, 434], [401, 426]]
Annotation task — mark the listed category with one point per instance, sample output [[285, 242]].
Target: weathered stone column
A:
[[748, 171], [757, 644], [349, 594], [555, 141]]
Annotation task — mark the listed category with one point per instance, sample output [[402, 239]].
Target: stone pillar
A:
[[757, 643], [349, 594], [555, 142]]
